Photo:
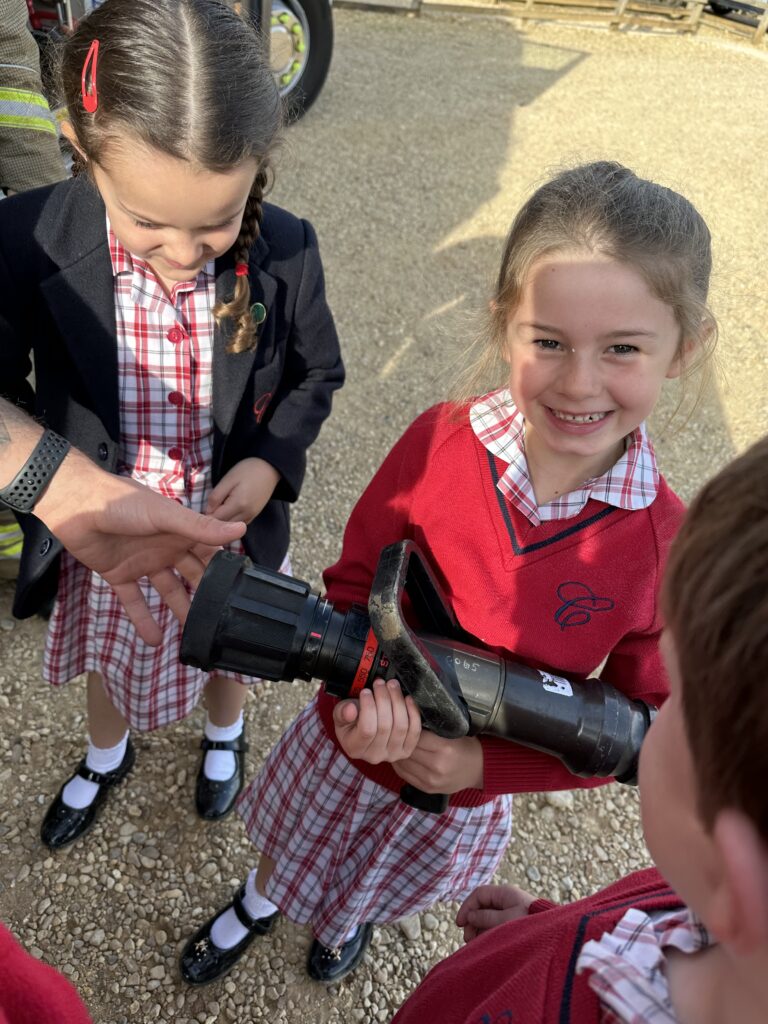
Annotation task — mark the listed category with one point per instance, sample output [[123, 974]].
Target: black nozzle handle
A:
[[402, 570], [435, 803]]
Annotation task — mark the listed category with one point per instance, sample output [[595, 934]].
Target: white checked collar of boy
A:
[[626, 965], [631, 483]]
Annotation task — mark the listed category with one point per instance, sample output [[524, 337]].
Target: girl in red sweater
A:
[[542, 511]]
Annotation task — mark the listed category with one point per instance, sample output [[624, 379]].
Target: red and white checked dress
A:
[[346, 849], [165, 352]]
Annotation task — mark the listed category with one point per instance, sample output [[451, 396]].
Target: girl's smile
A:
[[589, 347], [175, 215]]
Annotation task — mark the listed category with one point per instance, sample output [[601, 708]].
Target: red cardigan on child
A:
[[525, 971], [563, 595]]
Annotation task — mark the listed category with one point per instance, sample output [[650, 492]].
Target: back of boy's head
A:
[[715, 599], [188, 78]]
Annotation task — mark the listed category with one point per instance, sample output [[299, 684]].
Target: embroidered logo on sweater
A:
[[580, 603]]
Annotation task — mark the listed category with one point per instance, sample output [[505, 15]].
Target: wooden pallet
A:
[[672, 15]]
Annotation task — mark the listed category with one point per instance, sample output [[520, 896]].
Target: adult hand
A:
[[491, 905], [439, 765], [381, 725], [244, 491], [124, 531]]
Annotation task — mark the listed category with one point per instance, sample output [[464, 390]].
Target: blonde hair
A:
[[188, 78], [605, 209]]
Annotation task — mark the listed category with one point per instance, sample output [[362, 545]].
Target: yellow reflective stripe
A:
[[35, 124], [23, 96]]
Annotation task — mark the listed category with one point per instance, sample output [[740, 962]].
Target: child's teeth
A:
[[590, 417]]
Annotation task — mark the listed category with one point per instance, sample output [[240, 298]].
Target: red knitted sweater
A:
[[525, 970], [525, 591], [32, 992]]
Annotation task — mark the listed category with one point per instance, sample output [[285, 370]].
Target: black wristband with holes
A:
[[26, 488]]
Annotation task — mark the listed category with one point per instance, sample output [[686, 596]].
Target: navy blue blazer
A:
[[57, 305]]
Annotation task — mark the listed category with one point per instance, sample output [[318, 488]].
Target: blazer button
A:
[[45, 547], [103, 452]]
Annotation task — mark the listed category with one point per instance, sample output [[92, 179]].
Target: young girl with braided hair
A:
[[181, 337], [542, 511]]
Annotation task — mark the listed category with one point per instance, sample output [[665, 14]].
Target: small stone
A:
[[411, 927], [533, 873], [161, 937], [600, 853], [23, 872], [157, 972], [560, 799], [209, 870], [127, 829], [429, 922], [96, 938], [7, 624]]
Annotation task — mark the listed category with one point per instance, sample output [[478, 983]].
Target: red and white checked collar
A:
[[632, 482], [144, 282], [626, 965]]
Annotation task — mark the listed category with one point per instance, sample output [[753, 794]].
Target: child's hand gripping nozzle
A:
[[262, 623]]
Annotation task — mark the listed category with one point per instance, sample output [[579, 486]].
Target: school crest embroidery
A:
[[579, 604]]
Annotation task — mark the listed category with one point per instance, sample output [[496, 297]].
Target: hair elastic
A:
[[89, 91], [241, 270]]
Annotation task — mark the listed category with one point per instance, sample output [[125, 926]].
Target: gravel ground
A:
[[428, 135]]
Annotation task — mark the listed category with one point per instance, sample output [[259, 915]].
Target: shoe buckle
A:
[[332, 953], [201, 946]]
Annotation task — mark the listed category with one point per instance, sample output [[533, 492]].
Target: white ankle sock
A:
[[220, 764], [227, 931], [79, 792]]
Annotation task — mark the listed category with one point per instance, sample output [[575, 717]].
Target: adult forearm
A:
[[18, 436]]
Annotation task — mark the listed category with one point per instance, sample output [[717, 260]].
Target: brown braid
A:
[[79, 163], [239, 307]]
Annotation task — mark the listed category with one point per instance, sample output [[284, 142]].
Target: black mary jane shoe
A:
[[214, 799], [329, 964], [63, 824], [202, 961]]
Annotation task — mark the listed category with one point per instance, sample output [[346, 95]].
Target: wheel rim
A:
[[289, 44]]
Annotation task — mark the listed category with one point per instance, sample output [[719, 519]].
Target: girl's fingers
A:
[[414, 724], [215, 498], [345, 712], [229, 509], [398, 733], [367, 722]]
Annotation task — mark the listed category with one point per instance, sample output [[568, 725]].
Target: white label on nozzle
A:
[[556, 684]]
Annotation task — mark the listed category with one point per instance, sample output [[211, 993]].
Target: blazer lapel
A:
[[80, 295], [232, 370], [80, 299]]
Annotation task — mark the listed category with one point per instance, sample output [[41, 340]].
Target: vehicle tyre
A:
[[301, 45]]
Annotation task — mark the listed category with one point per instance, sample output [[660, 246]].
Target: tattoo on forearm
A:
[[10, 418]]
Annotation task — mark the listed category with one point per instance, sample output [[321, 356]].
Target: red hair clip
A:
[[241, 270], [88, 89]]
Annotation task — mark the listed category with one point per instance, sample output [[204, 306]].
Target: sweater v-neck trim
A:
[[581, 523]]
